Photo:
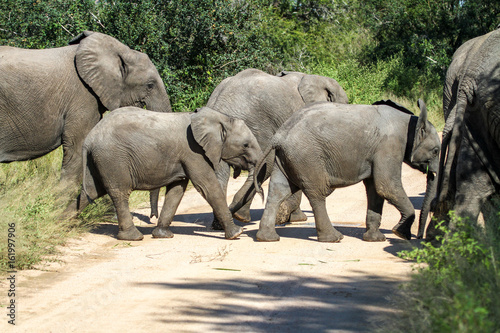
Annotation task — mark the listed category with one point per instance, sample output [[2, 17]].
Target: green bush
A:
[[194, 44], [427, 32], [456, 285]]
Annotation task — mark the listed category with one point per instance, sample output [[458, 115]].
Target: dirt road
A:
[[200, 282]]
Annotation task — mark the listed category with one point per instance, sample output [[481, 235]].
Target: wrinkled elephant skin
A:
[[133, 149], [328, 145], [54, 97]]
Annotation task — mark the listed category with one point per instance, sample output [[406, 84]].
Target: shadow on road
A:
[[277, 302]]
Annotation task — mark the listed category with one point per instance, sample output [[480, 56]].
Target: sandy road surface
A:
[[200, 282]]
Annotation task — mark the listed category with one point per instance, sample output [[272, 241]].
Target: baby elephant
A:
[[327, 146], [134, 149]]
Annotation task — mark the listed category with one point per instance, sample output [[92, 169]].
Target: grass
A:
[[367, 84], [28, 202], [456, 285]]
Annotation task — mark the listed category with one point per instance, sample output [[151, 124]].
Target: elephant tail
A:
[[92, 187], [257, 168]]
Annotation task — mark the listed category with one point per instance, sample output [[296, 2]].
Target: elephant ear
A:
[[420, 128], [315, 88], [209, 130], [102, 61]]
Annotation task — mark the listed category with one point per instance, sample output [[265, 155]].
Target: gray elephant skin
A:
[[54, 97], [264, 102], [470, 154], [328, 145], [133, 149]]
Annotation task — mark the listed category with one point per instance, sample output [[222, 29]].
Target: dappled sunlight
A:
[[275, 301]]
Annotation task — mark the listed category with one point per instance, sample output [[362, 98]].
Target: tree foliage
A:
[[195, 44], [428, 32]]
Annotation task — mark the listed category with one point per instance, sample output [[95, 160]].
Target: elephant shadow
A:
[[197, 224], [417, 201]]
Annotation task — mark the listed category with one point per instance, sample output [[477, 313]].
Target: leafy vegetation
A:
[[456, 284], [376, 49]]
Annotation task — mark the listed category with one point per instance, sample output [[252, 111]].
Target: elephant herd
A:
[[294, 128]]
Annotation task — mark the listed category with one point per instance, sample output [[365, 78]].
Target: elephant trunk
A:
[[159, 101], [257, 169], [161, 105], [430, 194]]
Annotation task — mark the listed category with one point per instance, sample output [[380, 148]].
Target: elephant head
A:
[[425, 157], [316, 88], [225, 138], [118, 75]]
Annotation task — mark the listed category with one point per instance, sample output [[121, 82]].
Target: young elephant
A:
[[326, 146], [133, 149]]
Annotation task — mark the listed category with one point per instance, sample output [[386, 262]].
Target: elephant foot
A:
[[267, 236], [216, 225], [373, 236], [298, 216], [283, 215], [69, 213], [153, 214], [330, 237], [233, 232], [243, 216], [402, 230], [131, 234], [162, 232]]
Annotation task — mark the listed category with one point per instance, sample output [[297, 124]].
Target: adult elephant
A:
[[265, 102], [470, 153], [55, 96]]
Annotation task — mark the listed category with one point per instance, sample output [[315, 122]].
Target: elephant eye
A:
[[436, 151], [150, 85], [246, 145]]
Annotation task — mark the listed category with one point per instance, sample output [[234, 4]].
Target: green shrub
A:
[[427, 32], [456, 285]]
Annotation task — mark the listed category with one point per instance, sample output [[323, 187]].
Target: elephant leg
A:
[[95, 189], [395, 194], [222, 173], [279, 190], [127, 229], [206, 184], [243, 214], [324, 228], [240, 206], [290, 210], [74, 133], [297, 215], [242, 200], [473, 183], [173, 197], [373, 213], [75, 207]]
